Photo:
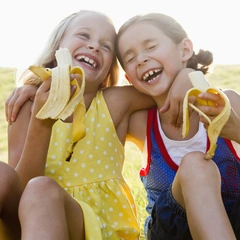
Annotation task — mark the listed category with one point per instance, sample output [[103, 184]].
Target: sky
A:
[[26, 24]]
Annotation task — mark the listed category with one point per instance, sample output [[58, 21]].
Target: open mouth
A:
[[87, 60], [151, 75]]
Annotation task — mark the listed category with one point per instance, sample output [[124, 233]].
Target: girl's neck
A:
[[88, 97], [160, 100], [89, 93]]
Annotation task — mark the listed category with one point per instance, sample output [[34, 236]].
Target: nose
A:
[[93, 46], [142, 59]]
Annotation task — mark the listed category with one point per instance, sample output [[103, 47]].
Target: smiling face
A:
[[151, 59], [90, 39]]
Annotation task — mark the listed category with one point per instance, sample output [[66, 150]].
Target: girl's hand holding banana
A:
[[215, 125], [230, 129], [211, 111], [60, 104]]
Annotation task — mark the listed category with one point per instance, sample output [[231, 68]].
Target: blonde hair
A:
[[47, 57]]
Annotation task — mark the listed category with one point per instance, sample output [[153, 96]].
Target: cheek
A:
[[107, 65], [131, 73], [108, 62]]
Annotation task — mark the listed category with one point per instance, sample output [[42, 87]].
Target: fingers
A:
[[16, 99], [211, 111], [165, 106], [213, 97], [176, 96], [175, 113], [45, 86], [77, 76], [176, 109], [179, 119], [13, 104], [203, 120], [43, 92], [73, 90], [73, 87], [9, 106]]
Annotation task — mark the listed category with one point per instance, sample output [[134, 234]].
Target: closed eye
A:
[[129, 59], [152, 47], [84, 35], [106, 46]]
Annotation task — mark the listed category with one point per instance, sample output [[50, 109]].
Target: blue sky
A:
[[26, 24]]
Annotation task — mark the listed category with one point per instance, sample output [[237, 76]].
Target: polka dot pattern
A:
[[93, 176]]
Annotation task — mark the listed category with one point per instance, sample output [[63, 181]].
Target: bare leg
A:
[[197, 188], [47, 211], [10, 194]]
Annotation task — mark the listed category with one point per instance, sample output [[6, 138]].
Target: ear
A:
[[187, 49]]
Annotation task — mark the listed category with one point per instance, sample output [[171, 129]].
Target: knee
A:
[[10, 181], [38, 190], [194, 167]]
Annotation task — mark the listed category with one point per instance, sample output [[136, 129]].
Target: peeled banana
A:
[[60, 104], [200, 84]]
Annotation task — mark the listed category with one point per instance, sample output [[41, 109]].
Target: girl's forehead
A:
[[93, 20], [140, 31], [143, 27]]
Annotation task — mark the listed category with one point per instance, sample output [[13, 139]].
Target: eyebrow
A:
[[129, 51]]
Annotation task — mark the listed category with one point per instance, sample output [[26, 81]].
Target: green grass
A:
[[226, 76], [7, 84], [223, 76]]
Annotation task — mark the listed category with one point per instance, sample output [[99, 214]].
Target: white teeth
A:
[[152, 79], [151, 72], [145, 76], [87, 59]]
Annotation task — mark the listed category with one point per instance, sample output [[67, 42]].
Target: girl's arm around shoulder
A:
[[125, 100], [16, 99], [28, 152], [137, 128], [17, 132], [122, 102]]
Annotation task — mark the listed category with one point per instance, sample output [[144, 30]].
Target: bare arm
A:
[[122, 103], [137, 128], [16, 99], [22, 94], [17, 132], [173, 103], [27, 153], [139, 101]]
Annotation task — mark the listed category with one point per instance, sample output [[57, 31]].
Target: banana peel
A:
[[60, 104], [200, 84]]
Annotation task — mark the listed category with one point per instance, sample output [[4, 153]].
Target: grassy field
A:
[[224, 76]]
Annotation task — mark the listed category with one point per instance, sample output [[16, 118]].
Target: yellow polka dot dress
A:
[[93, 176]]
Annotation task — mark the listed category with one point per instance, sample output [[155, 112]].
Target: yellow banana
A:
[[60, 104], [200, 84]]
